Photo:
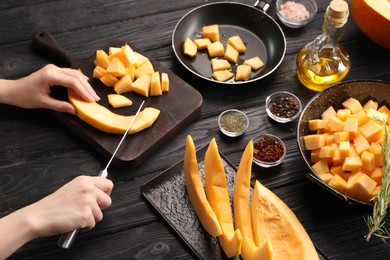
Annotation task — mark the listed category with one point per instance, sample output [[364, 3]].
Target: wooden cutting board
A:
[[178, 107]]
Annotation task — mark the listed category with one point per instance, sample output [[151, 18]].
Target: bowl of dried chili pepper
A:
[[283, 106], [268, 150]]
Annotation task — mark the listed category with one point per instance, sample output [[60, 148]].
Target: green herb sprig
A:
[[376, 223]]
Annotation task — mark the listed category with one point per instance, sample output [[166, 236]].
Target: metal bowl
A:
[[362, 90]]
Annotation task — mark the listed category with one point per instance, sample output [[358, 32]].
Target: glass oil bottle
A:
[[323, 62]]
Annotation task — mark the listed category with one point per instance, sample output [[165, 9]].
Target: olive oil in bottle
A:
[[323, 62]]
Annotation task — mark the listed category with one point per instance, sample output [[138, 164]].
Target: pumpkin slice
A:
[[196, 192], [103, 119], [242, 210], [117, 100], [218, 197], [272, 219]]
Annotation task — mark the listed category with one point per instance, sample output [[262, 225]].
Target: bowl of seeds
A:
[[283, 106], [233, 122]]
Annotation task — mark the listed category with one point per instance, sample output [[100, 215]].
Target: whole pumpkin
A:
[[373, 18]]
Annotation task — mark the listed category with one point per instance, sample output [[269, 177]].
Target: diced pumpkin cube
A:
[[113, 50], [335, 124], [243, 72], [351, 125], [314, 141], [98, 72], [343, 114], [368, 161], [237, 43], [338, 183], [101, 59], [116, 67], [109, 80], [328, 113], [361, 116], [337, 159], [220, 64], [141, 59], [215, 49], [211, 32], [337, 169], [317, 124], [155, 84], [329, 138], [352, 163], [372, 131], [130, 70], [360, 187], [164, 82], [377, 115], [370, 104], [377, 174], [352, 104], [384, 109], [145, 68], [342, 136], [142, 85], [123, 85], [116, 100], [201, 43], [326, 151], [321, 167], [129, 56], [190, 48], [361, 144], [376, 149], [315, 155], [256, 63], [223, 75], [231, 54], [345, 149], [326, 177]]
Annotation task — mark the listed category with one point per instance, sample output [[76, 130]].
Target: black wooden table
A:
[[38, 154]]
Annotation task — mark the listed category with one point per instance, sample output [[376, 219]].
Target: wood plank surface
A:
[[38, 154]]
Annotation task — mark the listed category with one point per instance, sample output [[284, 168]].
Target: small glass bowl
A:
[[234, 115], [310, 5], [271, 162], [290, 110]]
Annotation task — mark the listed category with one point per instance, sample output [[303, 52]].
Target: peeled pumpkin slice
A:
[[272, 219], [196, 192], [218, 197], [103, 119], [242, 210]]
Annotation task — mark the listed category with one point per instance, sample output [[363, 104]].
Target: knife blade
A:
[[66, 240]]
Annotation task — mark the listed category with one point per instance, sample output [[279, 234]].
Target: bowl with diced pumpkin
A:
[[341, 133]]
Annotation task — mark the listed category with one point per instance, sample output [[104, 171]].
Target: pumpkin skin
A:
[[374, 25]]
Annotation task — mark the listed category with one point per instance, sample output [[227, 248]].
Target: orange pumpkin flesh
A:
[[373, 18]]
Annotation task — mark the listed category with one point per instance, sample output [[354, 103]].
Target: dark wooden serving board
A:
[[178, 107]]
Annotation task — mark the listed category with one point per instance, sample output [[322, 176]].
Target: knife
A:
[[66, 240]]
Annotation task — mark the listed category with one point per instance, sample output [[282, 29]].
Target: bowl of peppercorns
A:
[[283, 106], [268, 150], [233, 122]]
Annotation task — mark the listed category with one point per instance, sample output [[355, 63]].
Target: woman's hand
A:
[[76, 205], [33, 91]]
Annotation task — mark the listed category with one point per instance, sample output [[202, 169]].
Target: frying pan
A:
[[260, 33]]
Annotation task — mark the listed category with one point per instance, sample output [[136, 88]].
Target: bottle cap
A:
[[338, 9]]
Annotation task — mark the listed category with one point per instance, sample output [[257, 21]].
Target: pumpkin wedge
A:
[[196, 192], [242, 210], [218, 197], [103, 119], [272, 219]]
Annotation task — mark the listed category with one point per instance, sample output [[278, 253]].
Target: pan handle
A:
[[45, 41], [263, 5]]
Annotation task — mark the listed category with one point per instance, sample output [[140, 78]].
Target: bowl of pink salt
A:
[[296, 13]]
